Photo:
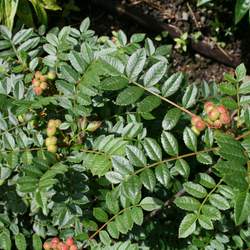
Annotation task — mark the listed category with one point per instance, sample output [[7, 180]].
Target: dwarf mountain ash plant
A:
[[104, 146]]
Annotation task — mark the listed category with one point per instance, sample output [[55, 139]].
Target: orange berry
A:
[[70, 241], [43, 78], [213, 114], [208, 106], [35, 82], [51, 131], [44, 85], [73, 247], [46, 245], [217, 124], [195, 119], [38, 90], [38, 75], [55, 240]]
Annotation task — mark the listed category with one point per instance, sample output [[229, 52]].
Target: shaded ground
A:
[[213, 24]]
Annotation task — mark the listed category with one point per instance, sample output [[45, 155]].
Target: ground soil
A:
[[214, 24]]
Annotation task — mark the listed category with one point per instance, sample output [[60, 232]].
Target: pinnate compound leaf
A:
[[242, 206], [129, 96], [150, 204], [187, 226]]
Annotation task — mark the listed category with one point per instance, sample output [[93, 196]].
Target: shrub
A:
[[118, 151]]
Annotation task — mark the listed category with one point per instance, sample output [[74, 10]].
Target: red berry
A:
[[208, 106], [46, 245], [55, 240], [213, 114], [200, 125], [195, 119], [222, 109], [225, 118], [64, 247], [35, 82], [70, 241], [73, 247], [38, 90]]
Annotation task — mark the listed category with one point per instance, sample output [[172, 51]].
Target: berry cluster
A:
[[39, 81], [51, 140], [56, 244], [216, 116]]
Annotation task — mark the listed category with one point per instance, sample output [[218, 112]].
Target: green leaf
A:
[[5, 240], [204, 158], [241, 71], [114, 177], [205, 222], [230, 148], [152, 149], [182, 168], [114, 83], [154, 74], [148, 179], [138, 37], [149, 103], [187, 203], [228, 89], [112, 202], [136, 156], [219, 202], [20, 242], [122, 165], [104, 237], [229, 103], [149, 46], [36, 242], [129, 96], [244, 88], [85, 25], [162, 174], [77, 61], [169, 143], [171, 119], [69, 74], [132, 187], [172, 84], [100, 214], [206, 180], [22, 36], [150, 204], [112, 229], [190, 139], [135, 64], [195, 189], [137, 215], [187, 226], [241, 206], [189, 97], [211, 212]]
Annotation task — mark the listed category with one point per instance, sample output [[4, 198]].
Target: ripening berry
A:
[[43, 78], [46, 245], [38, 90], [195, 130], [213, 114], [93, 126], [208, 106], [195, 119], [200, 125], [51, 141], [222, 109], [64, 247], [35, 82], [51, 75], [70, 241], [51, 131], [44, 85], [51, 123], [73, 247], [52, 148], [217, 124], [38, 75], [225, 118], [55, 240], [58, 123]]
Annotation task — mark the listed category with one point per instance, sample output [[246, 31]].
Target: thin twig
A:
[[193, 15]]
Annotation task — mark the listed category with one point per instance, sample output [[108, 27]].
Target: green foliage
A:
[[125, 147]]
